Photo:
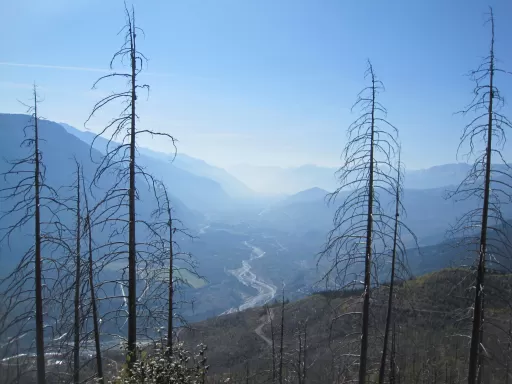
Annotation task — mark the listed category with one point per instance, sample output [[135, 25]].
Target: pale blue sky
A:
[[266, 82]]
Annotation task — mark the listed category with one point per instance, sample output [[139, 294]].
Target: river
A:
[[266, 291]]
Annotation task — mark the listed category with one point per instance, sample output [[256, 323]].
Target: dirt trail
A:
[[259, 329]]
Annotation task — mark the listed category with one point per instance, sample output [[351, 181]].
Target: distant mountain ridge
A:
[[312, 194], [273, 179], [188, 177], [231, 185], [429, 213], [60, 150], [246, 181]]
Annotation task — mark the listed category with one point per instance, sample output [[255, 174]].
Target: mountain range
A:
[[273, 179], [202, 189], [227, 215]]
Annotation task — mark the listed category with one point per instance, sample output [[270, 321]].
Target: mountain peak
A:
[[311, 194]]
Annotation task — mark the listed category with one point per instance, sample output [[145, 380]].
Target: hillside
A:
[[430, 310], [429, 212], [198, 167], [60, 149], [190, 183]]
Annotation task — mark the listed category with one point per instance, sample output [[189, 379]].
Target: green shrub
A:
[[158, 366]]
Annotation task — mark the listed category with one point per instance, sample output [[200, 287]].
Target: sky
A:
[[261, 82]]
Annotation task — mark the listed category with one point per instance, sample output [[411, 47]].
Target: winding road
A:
[[259, 329]]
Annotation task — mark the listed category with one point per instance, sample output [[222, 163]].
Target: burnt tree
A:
[[120, 164], [361, 225], [29, 194], [488, 185]]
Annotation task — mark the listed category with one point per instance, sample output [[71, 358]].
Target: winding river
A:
[[266, 291]]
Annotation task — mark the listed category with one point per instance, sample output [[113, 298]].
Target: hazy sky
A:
[[266, 82]]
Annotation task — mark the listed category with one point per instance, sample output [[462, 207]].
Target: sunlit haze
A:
[[259, 82]]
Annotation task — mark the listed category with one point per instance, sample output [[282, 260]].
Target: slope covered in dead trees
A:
[[431, 323]]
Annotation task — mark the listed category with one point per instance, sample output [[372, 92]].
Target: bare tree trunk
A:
[[76, 349], [18, 367], [474, 352], [392, 282], [304, 353], [392, 362], [171, 285], [281, 349], [368, 254], [132, 252], [272, 335], [41, 366], [299, 357], [480, 355], [507, 371], [95, 317]]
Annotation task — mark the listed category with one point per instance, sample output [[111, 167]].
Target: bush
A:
[[158, 366]]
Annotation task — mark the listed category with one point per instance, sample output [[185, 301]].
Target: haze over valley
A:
[[233, 223], [255, 192]]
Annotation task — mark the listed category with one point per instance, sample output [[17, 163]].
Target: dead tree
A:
[[487, 185], [281, 341], [301, 367], [272, 338], [398, 255], [29, 194], [509, 345], [305, 353], [77, 284], [170, 315], [392, 361], [171, 261], [37, 269], [120, 163], [93, 299], [38, 279], [361, 227]]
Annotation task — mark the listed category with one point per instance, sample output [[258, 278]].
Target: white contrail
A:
[[60, 67], [71, 68]]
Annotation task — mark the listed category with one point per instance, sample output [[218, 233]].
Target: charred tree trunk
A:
[[392, 280], [95, 317], [41, 367], [304, 353], [78, 268], [368, 253], [509, 345], [171, 285], [474, 352], [392, 361], [94, 306], [281, 341], [272, 336], [299, 357], [132, 251]]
